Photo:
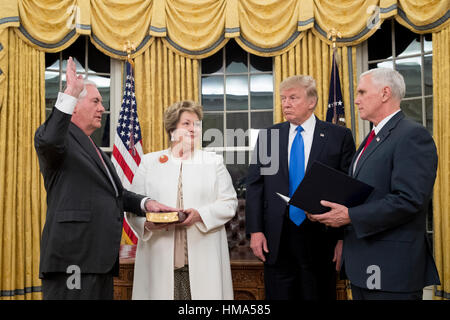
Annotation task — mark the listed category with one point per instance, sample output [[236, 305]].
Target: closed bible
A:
[[165, 217]]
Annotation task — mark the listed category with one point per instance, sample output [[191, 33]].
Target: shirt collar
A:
[[308, 126], [380, 125]]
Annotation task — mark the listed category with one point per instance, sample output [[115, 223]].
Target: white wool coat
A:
[[207, 187]]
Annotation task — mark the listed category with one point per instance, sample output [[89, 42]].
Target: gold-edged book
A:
[[165, 217]]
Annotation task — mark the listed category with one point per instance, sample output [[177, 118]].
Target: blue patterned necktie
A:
[[296, 174]]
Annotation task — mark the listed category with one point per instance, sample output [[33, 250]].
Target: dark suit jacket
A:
[[388, 230], [265, 210], [83, 225]]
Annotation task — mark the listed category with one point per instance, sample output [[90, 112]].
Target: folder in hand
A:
[[322, 182]]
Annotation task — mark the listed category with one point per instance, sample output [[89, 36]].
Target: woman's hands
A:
[[192, 216]]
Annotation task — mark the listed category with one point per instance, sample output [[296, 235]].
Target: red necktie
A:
[[106, 168], [98, 152], [369, 140]]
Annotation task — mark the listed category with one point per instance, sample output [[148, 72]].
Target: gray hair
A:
[[388, 77], [84, 92]]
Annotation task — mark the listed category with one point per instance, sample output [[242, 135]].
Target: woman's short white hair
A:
[[388, 77]]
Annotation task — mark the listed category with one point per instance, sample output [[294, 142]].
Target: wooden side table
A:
[[247, 272], [123, 284]]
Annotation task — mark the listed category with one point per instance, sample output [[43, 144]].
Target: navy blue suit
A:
[[84, 218], [388, 230], [310, 244]]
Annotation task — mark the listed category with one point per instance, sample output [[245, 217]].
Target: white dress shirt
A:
[[376, 129], [66, 103], [307, 135]]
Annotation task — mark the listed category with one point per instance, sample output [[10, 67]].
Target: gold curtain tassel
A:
[[129, 48], [332, 35]]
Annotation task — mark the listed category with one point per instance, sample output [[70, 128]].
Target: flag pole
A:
[[332, 35], [130, 47], [127, 149]]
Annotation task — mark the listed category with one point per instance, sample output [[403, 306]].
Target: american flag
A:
[[335, 112], [127, 150]]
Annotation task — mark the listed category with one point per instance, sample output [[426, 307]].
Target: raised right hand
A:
[[74, 82], [258, 244]]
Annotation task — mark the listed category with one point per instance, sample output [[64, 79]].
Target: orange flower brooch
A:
[[163, 158]]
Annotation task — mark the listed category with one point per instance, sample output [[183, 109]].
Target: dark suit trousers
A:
[[92, 287], [359, 293], [297, 273]]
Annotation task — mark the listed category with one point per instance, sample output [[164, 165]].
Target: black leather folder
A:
[[322, 182]]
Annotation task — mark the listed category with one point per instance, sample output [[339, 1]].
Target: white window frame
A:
[[363, 65], [253, 132]]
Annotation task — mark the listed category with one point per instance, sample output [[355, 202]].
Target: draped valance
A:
[[198, 28]]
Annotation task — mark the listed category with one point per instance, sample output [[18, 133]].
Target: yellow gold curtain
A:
[[441, 125], [351, 18], [22, 195], [49, 24], [169, 36], [198, 28], [162, 78], [3, 64], [195, 26], [313, 57], [268, 29], [115, 23], [423, 16]]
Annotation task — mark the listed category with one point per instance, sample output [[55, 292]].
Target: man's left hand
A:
[[336, 217]]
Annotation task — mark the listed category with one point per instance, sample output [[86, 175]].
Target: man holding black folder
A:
[[298, 253], [386, 254]]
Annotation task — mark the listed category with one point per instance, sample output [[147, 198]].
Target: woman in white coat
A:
[[188, 260]]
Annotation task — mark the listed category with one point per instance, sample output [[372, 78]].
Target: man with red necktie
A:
[[386, 254]]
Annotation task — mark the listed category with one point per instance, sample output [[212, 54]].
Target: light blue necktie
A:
[[296, 174]]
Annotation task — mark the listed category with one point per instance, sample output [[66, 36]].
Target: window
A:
[[394, 46], [95, 66], [237, 99]]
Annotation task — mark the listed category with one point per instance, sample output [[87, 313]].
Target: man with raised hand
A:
[[85, 198]]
